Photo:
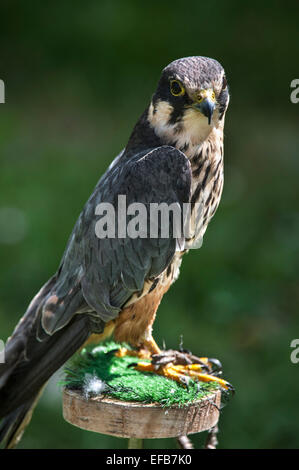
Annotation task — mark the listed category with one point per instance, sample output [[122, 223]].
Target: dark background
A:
[[77, 76]]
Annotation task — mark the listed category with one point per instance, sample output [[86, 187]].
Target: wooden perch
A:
[[138, 420]]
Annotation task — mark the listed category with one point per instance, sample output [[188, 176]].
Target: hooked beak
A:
[[206, 104]]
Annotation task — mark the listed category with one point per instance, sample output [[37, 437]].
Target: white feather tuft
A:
[[93, 385]]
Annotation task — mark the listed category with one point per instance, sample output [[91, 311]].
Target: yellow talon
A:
[[209, 378], [180, 372]]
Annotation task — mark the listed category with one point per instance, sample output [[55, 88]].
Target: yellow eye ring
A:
[[176, 88]]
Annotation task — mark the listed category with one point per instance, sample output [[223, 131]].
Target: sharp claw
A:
[[133, 364], [112, 352], [205, 367], [230, 388], [216, 363], [185, 380]]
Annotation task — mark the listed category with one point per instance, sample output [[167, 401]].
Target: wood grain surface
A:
[[138, 420]]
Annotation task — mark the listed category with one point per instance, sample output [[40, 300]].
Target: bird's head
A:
[[190, 100]]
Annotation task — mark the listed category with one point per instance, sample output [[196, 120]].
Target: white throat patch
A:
[[193, 129]]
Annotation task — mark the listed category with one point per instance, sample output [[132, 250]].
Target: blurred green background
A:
[[77, 76]]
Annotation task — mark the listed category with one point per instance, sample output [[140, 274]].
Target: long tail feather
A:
[[13, 425], [29, 363]]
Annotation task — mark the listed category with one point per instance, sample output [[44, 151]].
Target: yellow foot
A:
[[141, 353], [181, 366], [148, 348], [183, 373]]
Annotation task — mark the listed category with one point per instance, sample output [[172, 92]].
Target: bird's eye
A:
[[176, 88]]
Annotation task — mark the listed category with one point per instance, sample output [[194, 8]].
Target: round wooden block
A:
[[138, 420]]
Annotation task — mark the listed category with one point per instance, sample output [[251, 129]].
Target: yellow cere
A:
[[203, 94]]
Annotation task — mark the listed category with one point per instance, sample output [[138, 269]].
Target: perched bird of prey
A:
[[114, 285]]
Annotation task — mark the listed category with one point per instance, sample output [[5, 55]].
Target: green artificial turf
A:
[[97, 370]]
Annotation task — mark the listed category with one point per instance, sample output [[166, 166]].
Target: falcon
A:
[[114, 285]]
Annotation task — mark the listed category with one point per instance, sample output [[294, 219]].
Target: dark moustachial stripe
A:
[[176, 115]]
